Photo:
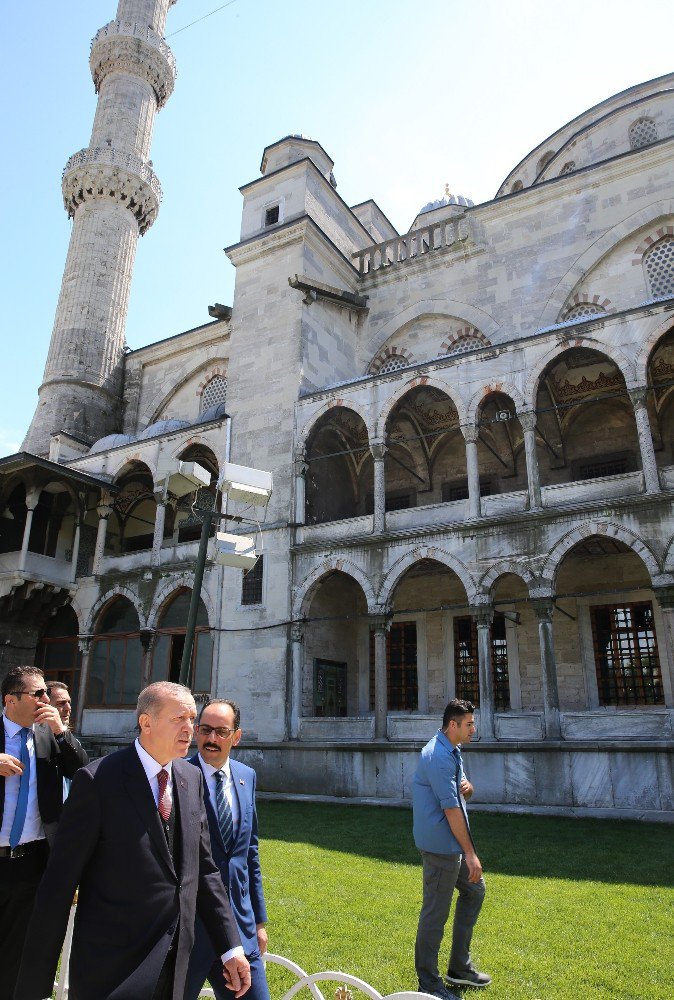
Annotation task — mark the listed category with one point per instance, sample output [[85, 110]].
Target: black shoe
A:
[[469, 977], [440, 991]]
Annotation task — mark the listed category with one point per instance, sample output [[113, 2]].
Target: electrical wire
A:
[[199, 19]]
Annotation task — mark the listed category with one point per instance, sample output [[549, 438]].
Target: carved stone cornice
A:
[[105, 173], [126, 47]]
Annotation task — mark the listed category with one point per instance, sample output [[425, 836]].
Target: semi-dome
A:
[[110, 441], [162, 427], [215, 412], [451, 199]]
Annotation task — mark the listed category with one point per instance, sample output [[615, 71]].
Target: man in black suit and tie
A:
[[134, 838], [229, 791], [36, 753]]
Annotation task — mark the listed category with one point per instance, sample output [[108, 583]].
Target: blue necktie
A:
[[224, 811], [22, 801]]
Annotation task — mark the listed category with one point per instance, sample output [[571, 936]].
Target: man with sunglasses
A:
[[36, 752], [229, 793]]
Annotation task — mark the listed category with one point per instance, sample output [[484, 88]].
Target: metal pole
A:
[[196, 596]]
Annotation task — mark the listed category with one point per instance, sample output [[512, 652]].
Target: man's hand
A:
[[466, 788], [236, 971], [9, 766], [262, 940], [50, 715], [474, 866]]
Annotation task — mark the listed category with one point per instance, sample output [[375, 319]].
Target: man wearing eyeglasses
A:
[[36, 753], [229, 793]]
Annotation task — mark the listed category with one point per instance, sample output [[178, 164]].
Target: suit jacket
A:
[[240, 869], [53, 761], [131, 900]]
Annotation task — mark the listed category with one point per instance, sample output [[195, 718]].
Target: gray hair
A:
[[151, 697]]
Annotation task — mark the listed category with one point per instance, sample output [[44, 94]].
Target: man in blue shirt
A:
[[442, 834]]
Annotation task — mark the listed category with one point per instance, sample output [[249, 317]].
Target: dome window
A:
[[643, 133], [214, 392], [659, 263], [568, 167]]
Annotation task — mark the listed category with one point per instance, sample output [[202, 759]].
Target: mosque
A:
[[470, 427]]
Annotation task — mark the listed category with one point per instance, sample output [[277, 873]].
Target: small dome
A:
[[216, 412], [110, 441], [162, 427], [448, 200]]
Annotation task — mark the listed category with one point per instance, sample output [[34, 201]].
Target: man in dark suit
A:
[[36, 753], [134, 838], [229, 791]]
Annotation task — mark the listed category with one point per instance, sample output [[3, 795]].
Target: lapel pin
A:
[[241, 781]]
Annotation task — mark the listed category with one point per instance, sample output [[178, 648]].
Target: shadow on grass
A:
[[610, 851]]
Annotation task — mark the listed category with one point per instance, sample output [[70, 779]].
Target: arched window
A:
[[214, 392], [392, 364], [464, 344], [584, 310], [568, 167], [13, 520], [170, 643], [115, 665], [58, 654], [659, 263], [642, 132], [544, 160], [517, 186]]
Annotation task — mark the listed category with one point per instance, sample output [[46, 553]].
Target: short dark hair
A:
[[57, 686], [455, 710], [223, 701], [14, 679]]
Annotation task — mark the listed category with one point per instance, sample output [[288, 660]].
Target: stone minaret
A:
[[112, 196]]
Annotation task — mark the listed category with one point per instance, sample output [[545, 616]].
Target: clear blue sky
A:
[[404, 96]]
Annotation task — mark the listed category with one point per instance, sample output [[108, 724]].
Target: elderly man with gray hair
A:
[[134, 838]]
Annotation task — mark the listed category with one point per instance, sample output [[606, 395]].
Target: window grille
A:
[[392, 501], [459, 490], [466, 666], [271, 216], [659, 261], [214, 392], [568, 167], [251, 583], [603, 467], [584, 310], [392, 364], [626, 654], [463, 345], [642, 133], [401, 667]]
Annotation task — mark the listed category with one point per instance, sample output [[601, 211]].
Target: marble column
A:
[[543, 608], [76, 547], [381, 625], [665, 598], [648, 463], [158, 535], [84, 643], [297, 670], [528, 422], [301, 468], [471, 433], [483, 617], [104, 510], [147, 640], [32, 498], [378, 449]]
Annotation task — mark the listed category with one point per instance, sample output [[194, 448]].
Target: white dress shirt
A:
[[32, 828], [227, 785], [152, 769]]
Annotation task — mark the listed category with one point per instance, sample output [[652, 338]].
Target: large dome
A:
[[451, 199]]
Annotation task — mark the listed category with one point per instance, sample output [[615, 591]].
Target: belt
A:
[[22, 849]]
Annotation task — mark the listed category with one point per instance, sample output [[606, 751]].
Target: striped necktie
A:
[[22, 801], [224, 811]]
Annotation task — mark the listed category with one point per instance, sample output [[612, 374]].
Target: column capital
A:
[[527, 419], [32, 497], [301, 463], [543, 608], [470, 433], [639, 396], [84, 643], [380, 622], [147, 638], [665, 597], [297, 631], [378, 449], [482, 614]]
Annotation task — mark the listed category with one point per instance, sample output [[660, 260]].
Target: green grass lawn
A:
[[575, 909]]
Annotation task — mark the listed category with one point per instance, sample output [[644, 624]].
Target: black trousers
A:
[[164, 988], [19, 879]]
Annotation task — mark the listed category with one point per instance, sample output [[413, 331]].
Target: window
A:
[[170, 643], [251, 583], [463, 345], [459, 490], [517, 186], [271, 216], [392, 501], [466, 666], [611, 465], [544, 160], [401, 667], [329, 689], [659, 261], [116, 654], [584, 310], [214, 392], [642, 133], [392, 364], [58, 654], [626, 654], [568, 167]]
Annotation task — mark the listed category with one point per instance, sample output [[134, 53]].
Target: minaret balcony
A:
[[128, 47], [103, 172]]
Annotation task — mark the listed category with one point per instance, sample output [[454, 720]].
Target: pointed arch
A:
[[104, 599], [303, 594], [157, 404], [505, 388], [400, 567], [331, 404], [501, 568], [609, 529], [648, 345], [623, 363], [427, 381], [167, 590], [448, 309]]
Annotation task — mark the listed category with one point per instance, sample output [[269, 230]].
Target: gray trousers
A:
[[442, 874]]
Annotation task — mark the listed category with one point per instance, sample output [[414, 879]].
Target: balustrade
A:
[[417, 243]]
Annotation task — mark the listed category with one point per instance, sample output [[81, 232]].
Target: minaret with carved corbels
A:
[[112, 195]]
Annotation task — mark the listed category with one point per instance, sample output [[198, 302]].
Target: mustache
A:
[[211, 746]]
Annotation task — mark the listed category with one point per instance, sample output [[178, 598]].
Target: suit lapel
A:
[[213, 824], [140, 793], [42, 738], [239, 791], [181, 795]]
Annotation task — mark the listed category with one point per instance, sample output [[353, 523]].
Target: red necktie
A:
[[164, 798]]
